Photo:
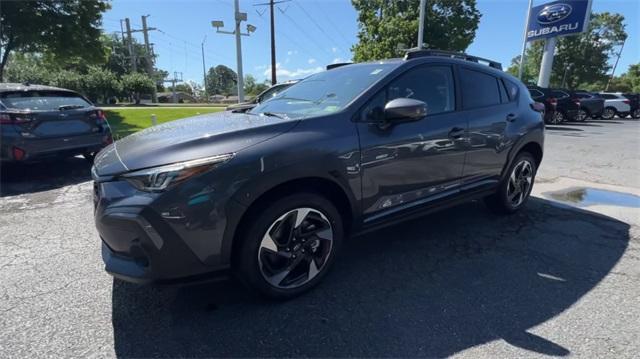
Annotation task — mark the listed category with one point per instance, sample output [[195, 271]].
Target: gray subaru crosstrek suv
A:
[[39, 122], [271, 194]]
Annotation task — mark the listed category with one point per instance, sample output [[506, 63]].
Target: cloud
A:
[[311, 61], [334, 49], [337, 60], [292, 52], [298, 73]]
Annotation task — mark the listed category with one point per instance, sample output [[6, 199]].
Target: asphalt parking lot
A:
[[560, 278]]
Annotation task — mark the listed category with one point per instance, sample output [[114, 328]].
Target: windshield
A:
[[274, 91], [43, 100], [324, 93]]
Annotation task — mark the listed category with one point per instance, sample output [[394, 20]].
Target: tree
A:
[[249, 85], [99, 84], [60, 27], [386, 28], [137, 84], [581, 60], [221, 80]]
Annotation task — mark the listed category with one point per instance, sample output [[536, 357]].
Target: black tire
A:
[[635, 113], [250, 268], [500, 202], [609, 113]]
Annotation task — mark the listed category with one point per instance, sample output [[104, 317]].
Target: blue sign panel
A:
[[558, 18]]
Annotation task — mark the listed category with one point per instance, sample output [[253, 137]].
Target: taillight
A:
[[101, 118], [576, 101], [18, 153], [628, 102], [8, 118], [552, 101]]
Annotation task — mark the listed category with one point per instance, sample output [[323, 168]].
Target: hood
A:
[[188, 139]]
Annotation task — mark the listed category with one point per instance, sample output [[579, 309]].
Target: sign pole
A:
[[524, 41], [547, 61]]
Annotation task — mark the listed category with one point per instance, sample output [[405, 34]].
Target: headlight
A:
[[159, 178]]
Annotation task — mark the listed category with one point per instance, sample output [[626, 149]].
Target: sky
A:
[[313, 33]]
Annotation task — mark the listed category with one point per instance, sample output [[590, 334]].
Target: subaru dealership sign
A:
[[558, 18]]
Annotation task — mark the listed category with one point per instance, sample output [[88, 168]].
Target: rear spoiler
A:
[[340, 64]]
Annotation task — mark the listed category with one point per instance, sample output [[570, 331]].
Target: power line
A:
[[316, 24], [305, 33]]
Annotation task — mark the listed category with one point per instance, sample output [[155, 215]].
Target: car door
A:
[[414, 162], [489, 110]]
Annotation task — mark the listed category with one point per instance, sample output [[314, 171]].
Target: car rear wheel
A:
[[581, 115], [291, 245], [514, 190], [609, 113], [636, 113]]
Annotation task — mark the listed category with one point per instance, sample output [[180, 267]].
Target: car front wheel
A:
[[636, 113], [581, 115], [514, 190], [557, 117], [290, 246]]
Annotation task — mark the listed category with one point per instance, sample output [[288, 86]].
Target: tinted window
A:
[[273, 91], [535, 93], [431, 84], [42, 100], [512, 89], [559, 94], [609, 97], [478, 89]]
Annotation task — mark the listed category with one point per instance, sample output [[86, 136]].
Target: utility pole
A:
[[423, 9], [173, 81], [204, 71], [132, 53], [145, 31], [239, 17], [271, 4], [613, 71]]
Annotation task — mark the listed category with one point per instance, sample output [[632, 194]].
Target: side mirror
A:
[[406, 109]]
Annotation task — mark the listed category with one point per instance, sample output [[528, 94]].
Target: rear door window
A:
[[512, 89], [43, 100], [536, 94], [478, 89]]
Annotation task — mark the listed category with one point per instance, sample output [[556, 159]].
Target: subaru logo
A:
[[554, 13]]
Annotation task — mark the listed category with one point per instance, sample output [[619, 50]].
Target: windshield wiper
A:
[[273, 114], [69, 107]]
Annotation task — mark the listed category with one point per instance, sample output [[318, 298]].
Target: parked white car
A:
[[615, 104]]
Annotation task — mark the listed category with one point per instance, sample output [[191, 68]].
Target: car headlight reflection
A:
[[158, 179]]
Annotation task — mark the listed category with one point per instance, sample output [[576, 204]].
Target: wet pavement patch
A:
[[586, 196]]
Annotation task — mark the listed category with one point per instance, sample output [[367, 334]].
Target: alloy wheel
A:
[[520, 183], [581, 116], [295, 248], [608, 113], [557, 118], [636, 113]]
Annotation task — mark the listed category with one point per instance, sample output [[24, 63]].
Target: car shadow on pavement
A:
[[19, 178], [429, 287], [561, 128]]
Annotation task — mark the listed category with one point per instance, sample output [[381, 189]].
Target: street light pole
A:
[[423, 9], [239, 18], [204, 71]]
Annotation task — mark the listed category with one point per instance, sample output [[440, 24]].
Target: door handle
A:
[[456, 132], [511, 117]]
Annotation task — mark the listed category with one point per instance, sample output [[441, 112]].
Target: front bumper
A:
[[142, 243]]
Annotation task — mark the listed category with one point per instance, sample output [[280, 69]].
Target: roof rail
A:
[[339, 64], [421, 52]]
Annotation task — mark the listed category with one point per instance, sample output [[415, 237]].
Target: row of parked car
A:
[[566, 105]]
